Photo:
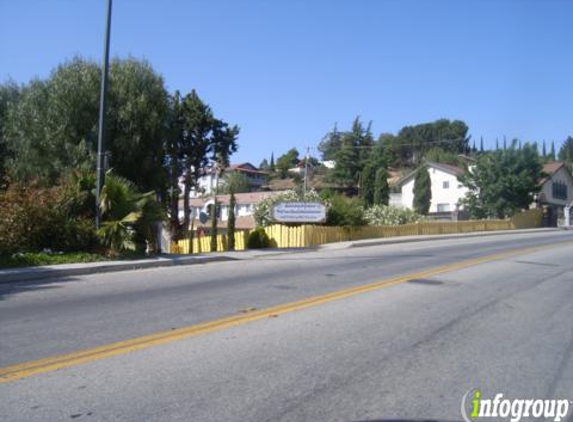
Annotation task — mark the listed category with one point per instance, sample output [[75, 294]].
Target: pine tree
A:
[[381, 188], [231, 223], [566, 150], [422, 191], [348, 158]]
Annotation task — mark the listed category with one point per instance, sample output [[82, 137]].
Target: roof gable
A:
[[446, 168]]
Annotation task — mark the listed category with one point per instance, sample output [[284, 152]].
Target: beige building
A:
[[556, 192]]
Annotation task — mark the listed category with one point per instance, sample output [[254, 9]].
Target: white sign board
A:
[[299, 212]]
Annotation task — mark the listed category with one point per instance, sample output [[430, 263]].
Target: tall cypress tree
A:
[[481, 144], [214, 226], [544, 151], [231, 223], [272, 164], [504, 142], [496, 144], [552, 153], [368, 184], [422, 191], [381, 188]]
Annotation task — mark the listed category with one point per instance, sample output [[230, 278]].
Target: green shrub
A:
[[33, 219], [344, 211], [258, 239]]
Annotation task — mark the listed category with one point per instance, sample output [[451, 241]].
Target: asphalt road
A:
[[408, 351]]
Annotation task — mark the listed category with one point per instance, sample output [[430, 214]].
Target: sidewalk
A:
[[68, 270], [426, 237]]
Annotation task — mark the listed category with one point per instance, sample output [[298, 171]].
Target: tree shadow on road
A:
[[12, 288]]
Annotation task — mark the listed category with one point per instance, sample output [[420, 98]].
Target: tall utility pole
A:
[[306, 169], [102, 116]]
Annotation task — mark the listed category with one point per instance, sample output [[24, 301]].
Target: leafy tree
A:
[[235, 182], [53, 127], [330, 144], [438, 155], [566, 150], [231, 223], [422, 191], [412, 142], [265, 166], [138, 111], [381, 188], [503, 182], [287, 161], [9, 93]]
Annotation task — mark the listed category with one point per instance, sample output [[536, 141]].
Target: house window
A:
[[559, 190], [443, 207]]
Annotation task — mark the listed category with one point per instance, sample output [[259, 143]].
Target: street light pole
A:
[[102, 117]]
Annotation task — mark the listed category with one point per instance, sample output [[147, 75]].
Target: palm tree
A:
[[127, 214]]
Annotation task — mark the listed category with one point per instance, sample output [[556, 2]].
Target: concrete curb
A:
[[426, 238], [52, 271], [70, 270]]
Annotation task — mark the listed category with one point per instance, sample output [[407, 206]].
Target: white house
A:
[[446, 189], [208, 181], [556, 192]]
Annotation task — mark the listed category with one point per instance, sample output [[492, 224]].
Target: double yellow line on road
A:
[[26, 369]]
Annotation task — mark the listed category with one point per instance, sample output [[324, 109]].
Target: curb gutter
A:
[[67, 270]]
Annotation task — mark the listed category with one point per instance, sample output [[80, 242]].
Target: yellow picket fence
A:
[[309, 235]]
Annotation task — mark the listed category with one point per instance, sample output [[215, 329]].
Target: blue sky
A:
[[286, 71]]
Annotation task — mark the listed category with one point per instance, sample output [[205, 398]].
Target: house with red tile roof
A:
[[244, 205]]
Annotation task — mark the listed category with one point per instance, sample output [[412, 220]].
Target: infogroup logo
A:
[[475, 406]]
